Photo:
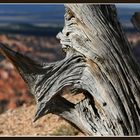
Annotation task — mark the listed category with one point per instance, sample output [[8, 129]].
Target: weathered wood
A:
[[99, 62], [94, 31], [136, 20]]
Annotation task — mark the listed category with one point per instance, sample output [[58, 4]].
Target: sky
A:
[[32, 13], [45, 7], [48, 13], [129, 5]]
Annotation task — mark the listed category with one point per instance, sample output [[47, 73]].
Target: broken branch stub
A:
[[136, 20], [99, 63]]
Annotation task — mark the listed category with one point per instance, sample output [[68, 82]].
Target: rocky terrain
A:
[[20, 122]]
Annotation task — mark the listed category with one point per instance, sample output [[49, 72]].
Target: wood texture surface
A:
[[98, 62]]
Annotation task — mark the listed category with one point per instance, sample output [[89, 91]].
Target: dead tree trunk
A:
[[99, 63], [136, 20]]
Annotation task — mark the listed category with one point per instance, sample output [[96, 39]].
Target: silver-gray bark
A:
[[98, 62]]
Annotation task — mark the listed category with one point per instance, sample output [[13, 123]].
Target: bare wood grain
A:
[[99, 63]]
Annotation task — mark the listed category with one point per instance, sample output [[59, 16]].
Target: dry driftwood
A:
[[99, 63]]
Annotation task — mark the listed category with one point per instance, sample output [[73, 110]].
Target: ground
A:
[[19, 122]]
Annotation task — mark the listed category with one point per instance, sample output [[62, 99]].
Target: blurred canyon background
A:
[[31, 29]]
